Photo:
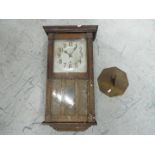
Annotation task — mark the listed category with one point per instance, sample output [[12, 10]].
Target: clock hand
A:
[[69, 54], [73, 50], [66, 52]]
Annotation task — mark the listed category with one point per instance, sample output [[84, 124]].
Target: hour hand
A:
[[66, 52], [69, 54]]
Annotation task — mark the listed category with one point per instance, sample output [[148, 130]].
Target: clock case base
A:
[[90, 31], [70, 126]]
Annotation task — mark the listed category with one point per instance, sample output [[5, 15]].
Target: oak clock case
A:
[[70, 92]]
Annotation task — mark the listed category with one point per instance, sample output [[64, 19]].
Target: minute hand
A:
[[73, 50]]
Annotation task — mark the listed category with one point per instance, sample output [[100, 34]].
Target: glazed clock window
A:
[[70, 55]]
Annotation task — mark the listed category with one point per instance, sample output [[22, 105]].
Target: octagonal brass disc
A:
[[113, 81]]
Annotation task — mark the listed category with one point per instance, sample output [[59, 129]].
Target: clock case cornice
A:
[[72, 29]]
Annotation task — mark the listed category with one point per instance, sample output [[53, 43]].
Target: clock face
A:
[[70, 55]]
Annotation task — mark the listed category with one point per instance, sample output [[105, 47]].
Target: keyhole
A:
[[113, 80]]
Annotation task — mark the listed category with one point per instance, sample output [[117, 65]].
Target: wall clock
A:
[[70, 92]]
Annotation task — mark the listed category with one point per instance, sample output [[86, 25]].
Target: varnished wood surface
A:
[[72, 126], [72, 29], [81, 115], [67, 100]]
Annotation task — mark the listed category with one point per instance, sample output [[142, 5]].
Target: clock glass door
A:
[[69, 100], [69, 95]]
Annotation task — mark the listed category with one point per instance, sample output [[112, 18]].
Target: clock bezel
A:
[[68, 75]]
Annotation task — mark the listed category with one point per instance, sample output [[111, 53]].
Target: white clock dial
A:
[[70, 55]]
